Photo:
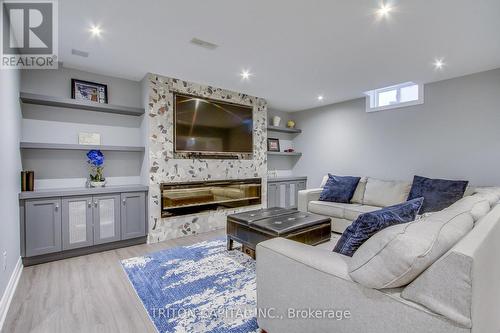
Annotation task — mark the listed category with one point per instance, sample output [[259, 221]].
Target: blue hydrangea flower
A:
[[96, 158]]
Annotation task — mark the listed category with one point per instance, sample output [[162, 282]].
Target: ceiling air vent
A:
[[79, 53], [204, 44]]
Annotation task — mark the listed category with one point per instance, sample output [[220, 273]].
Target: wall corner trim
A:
[[9, 291]]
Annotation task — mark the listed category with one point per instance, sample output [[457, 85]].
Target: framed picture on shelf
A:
[[89, 91], [273, 144]]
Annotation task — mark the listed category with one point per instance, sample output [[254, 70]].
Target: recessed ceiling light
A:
[[438, 64], [95, 30], [245, 74], [320, 97], [384, 10]]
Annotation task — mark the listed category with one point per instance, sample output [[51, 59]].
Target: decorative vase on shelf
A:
[[290, 124], [96, 164], [97, 184], [276, 121]]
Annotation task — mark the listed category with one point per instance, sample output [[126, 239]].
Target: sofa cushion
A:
[[334, 209], [339, 188], [489, 193], [437, 193], [323, 181], [353, 211], [396, 255], [358, 195], [367, 224], [385, 193], [339, 225], [480, 209], [469, 190]]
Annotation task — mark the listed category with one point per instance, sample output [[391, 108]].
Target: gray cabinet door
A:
[[284, 194], [107, 226], [272, 195], [43, 226], [283, 200], [293, 193], [77, 222], [133, 215]]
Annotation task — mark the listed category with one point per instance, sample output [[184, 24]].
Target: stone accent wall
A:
[[164, 167]]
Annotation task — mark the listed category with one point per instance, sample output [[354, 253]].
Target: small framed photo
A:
[[89, 91], [273, 144]]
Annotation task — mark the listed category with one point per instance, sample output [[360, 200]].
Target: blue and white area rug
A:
[[197, 288]]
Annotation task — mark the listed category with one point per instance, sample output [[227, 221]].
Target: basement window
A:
[[397, 96]]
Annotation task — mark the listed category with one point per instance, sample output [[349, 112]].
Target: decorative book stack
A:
[[27, 181]]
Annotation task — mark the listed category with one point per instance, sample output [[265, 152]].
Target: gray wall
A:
[[10, 118], [454, 134]]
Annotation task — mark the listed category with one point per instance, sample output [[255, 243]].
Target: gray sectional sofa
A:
[[440, 273], [371, 194]]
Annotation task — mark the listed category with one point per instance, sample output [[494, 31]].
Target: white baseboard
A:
[[9, 291]]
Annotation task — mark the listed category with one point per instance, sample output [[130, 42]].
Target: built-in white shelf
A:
[[37, 99], [64, 146], [283, 129], [71, 191], [285, 179], [281, 153]]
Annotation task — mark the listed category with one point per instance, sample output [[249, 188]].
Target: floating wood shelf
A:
[[63, 146], [281, 153], [36, 99], [283, 129]]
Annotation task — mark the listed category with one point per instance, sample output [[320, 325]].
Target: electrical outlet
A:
[[4, 260]]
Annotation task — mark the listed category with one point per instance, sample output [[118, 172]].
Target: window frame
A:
[[372, 97]]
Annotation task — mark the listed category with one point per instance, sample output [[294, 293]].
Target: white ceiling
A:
[[295, 49]]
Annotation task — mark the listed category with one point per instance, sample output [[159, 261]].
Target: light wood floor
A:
[[85, 294]]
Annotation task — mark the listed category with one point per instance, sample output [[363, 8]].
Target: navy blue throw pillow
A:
[[339, 189], [368, 224], [437, 193]]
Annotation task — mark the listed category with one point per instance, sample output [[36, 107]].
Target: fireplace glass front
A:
[[193, 197]]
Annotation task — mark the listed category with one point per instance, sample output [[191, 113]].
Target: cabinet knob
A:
[[89, 204], [95, 203], [57, 206], [124, 201]]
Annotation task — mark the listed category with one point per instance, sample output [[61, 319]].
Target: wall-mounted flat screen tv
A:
[[206, 126]]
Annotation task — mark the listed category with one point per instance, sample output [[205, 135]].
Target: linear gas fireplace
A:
[[193, 197]]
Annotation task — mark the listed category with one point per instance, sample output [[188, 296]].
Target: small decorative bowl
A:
[[97, 184]]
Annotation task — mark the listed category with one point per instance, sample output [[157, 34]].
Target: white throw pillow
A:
[[383, 193], [396, 255]]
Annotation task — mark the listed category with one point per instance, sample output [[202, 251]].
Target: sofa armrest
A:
[[308, 195], [295, 277]]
